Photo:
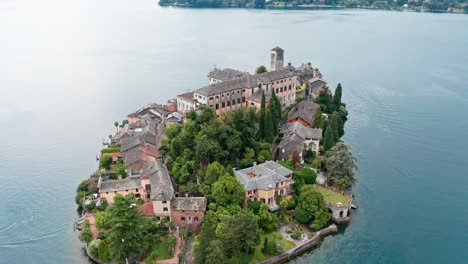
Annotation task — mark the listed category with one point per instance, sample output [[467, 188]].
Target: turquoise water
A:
[[69, 69]]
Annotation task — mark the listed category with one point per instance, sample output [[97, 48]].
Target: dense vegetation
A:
[[433, 5], [128, 233]]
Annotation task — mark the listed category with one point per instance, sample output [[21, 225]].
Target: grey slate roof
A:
[[120, 185], [161, 184], [247, 81], [226, 74], [288, 145], [277, 49], [294, 136], [186, 96], [131, 156], [303, 131], [257, 96], [271, 76], [189, 203], [264, 176], [304, 110], [130, 142]]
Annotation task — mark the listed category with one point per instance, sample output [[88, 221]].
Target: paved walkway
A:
[[93, 228]]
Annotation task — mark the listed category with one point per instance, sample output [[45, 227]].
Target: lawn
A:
[[333, 197], [161, 250], [283, 245]]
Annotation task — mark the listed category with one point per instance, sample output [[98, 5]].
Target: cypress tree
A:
[[334, 124], [337, 97], [329, 140], [318, 119], [269, 134], [261, 128], [277, 104], [274, 113]]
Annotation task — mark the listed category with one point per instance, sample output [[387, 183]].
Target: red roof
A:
[[171, 108], [147, 209], [115, 156]]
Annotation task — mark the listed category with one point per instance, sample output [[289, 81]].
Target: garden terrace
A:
[[332, 197]]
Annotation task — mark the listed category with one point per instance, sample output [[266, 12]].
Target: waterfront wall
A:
[[314, 241]]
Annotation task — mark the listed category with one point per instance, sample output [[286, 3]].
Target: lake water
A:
[[69, 69]]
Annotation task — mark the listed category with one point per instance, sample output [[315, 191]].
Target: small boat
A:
[[354, 206]]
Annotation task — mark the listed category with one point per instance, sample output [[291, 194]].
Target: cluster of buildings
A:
[[230, 89], [227, 89], [147, 177]]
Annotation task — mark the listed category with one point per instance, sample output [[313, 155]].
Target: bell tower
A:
[[277, 59]]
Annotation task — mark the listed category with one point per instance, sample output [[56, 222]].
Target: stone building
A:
[[221, 75], [303, 113], [265, 182], [185, 103], [277, 59], [188, 211], [300, 138]]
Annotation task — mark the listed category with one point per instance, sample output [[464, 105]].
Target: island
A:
[[250, 168]]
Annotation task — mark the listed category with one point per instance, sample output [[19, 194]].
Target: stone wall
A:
[[314, 241]]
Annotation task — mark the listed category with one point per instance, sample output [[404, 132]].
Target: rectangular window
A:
[[238, 101], [228, 103], [164, 202], [217, 96], [289, 87], [182, 218], [222, 105], [217, 106], [276, 90], [136, 190], [137, 195], [222, 95], [211, 98], [165, 209], [234, 102], [243, 99], [281, 89]]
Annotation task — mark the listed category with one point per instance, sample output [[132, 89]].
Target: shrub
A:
[[86, 234], [110, 150], [102, 219], [296, 234], [308, 175], [103, 251], [105, 162], [181, 257], [79, 197], [93, 248]]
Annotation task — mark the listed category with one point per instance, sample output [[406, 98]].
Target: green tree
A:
[[248, 159], [259, 3], [116, 124], [311, 206], [105, 162], [103, 251], [275, 111], [208, 149], [102, 219], [128, 235], [264, 155], [227, 190], [337, 97], [318, 119], [329, 139], [269, 132], [341, 164], [213, 172], [325, 100], [266, 220], [261, 68], [261, 122], [202, 242], [238, 233], [215, 253]]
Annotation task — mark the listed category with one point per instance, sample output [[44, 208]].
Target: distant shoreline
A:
[[317, 7]]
